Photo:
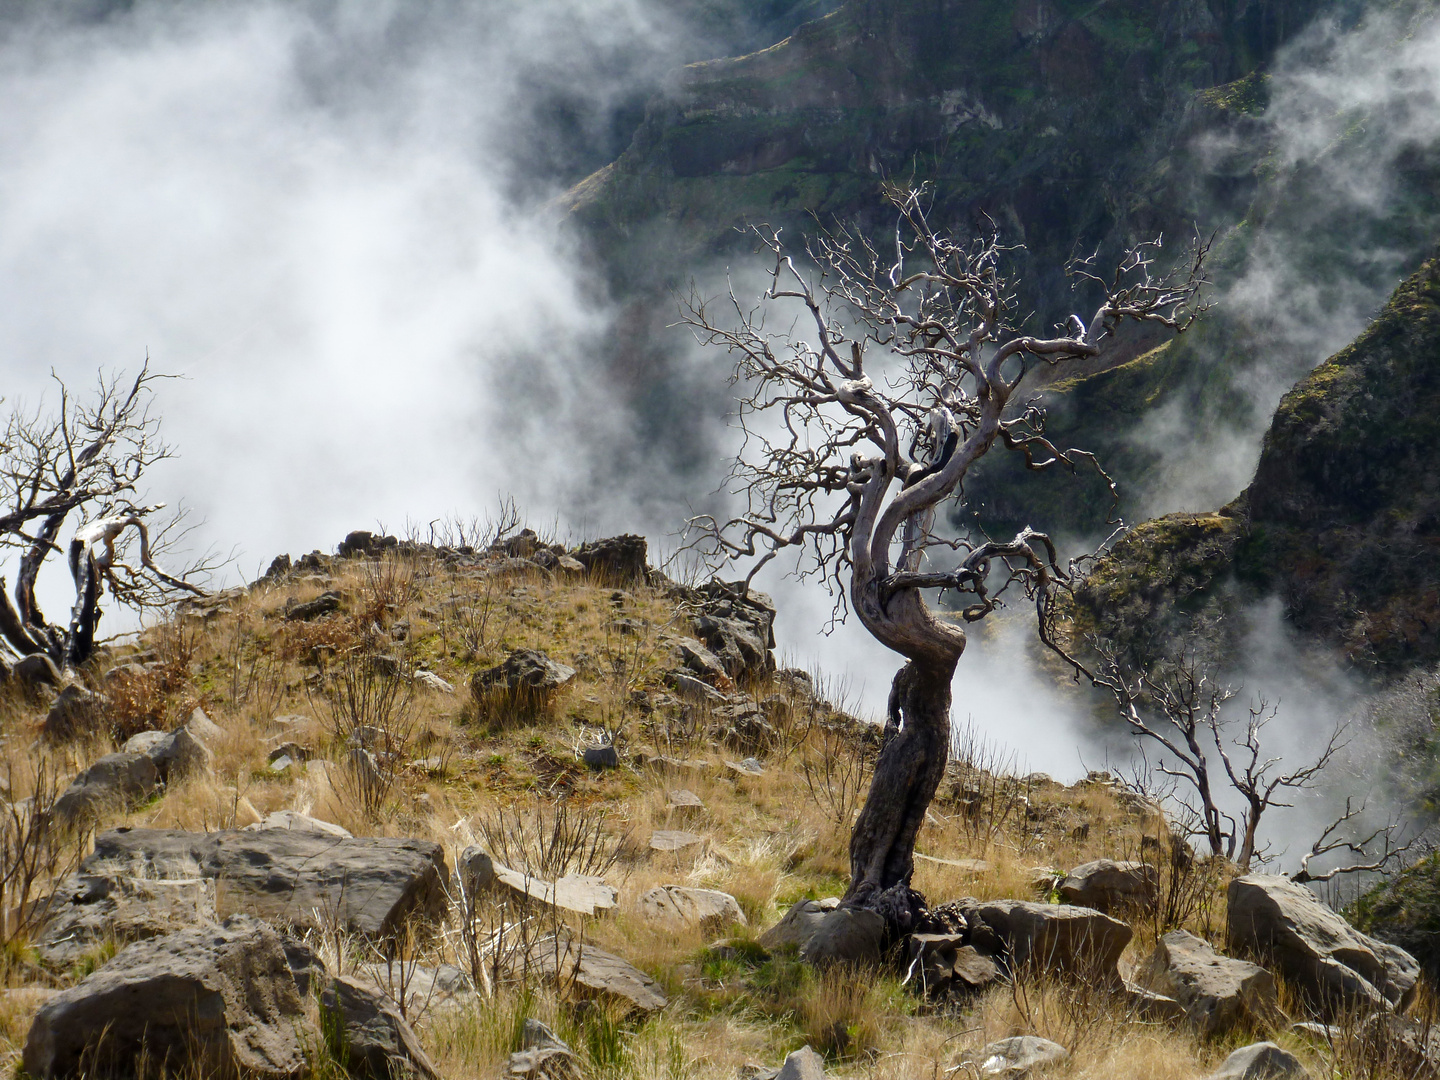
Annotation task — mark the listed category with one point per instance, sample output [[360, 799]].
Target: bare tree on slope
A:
[[82, 464], [859, 428]]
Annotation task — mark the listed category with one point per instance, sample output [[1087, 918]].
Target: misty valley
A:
[[846, 538]]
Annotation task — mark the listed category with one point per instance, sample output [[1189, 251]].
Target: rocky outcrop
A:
[[1218, 993], [87, 910], [368, 1036], [1330, 963], [527, 679], [943, 965], [219, 999], [618, 560]]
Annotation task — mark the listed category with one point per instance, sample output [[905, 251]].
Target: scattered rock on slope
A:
[[1217, 992], [1261, 1061], [222, 994], [595, 972], [1021, 1055], [826, 933], [544, 1056], [1330, 963], [115, 782], [527, 675], [1107, 885], [707, 908], [1070, 940]]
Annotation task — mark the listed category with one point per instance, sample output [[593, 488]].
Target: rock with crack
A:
[[592, 972], [1107, 885], [1261, 1061], [1021, 1055], [829, 934], [1217, 992], [364, 885], [675, 840], [802, 1064], [114, 783], [544, 1056], [1061, 938], [220, 1000], [367, 1035], [1332, 965], [693, 689], [701, 661], [580, 893], [709, 909]]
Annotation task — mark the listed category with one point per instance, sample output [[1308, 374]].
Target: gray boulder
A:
[[1021, 1055], [1062, 938], [617, 560], [709, 909], [75, 713], [368, 885], [1107, 885], [602, 757], [580, 893], [527, 677], [1217, 992], [180, 755], [218, 1000], [1261, 1061], [543, 1057], [1331, 964], [367, 1035], [829, 934], [802, 1064], [35, 671], [113, 784]]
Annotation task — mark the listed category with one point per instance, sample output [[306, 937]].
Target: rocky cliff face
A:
[[1342, 520]]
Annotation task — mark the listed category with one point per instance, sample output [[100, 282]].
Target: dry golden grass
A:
[[769, 840]]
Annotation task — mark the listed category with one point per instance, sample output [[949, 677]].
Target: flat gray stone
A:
[[1107, 885], [298, 822], [674, 840], [707, 908], [86, 911], [579, 893], [369, 885], [595, 972], [683, 799]]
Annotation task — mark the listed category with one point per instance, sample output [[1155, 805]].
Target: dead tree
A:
[[82, 465], [885, 378]]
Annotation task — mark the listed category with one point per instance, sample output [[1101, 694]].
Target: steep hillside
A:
[[387, 812], [1064, 121]]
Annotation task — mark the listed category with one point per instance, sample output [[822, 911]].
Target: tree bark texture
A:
[[907, 775]]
